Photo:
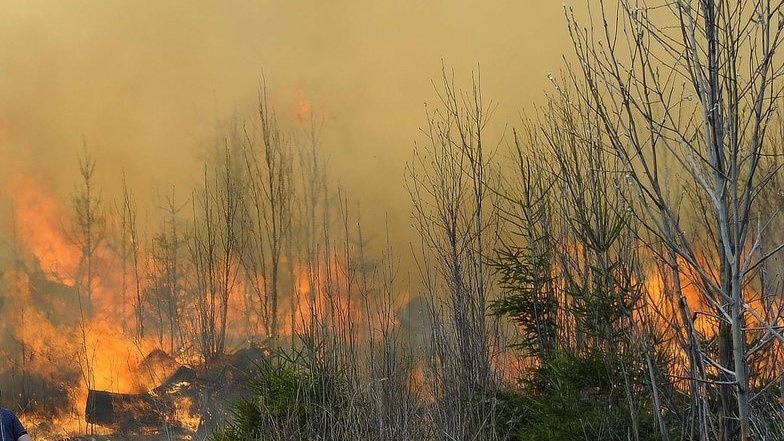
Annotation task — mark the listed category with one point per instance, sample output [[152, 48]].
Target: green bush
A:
[[291, 398], [571, 397]]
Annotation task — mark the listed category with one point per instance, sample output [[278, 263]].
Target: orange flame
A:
[[63, 342], [304, 106], [39, 226], [80, 347]]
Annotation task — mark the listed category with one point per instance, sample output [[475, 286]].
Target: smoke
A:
[[146, 88], [145, 84]]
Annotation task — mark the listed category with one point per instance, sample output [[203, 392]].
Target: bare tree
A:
[[684, 92], [454, 215], [169, 272], [88, 233], [215, 248], [313, 209], [131, 250], [268, 163]]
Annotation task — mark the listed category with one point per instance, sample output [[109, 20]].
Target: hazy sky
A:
[[145, 82]]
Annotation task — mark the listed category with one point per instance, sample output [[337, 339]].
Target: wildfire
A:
[[40, 229], [66, 346], [67, 343]]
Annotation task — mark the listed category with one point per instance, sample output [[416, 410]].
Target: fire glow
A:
[[65, 348]]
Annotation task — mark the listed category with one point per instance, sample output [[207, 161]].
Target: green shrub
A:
[[571, 397], [291, 398]]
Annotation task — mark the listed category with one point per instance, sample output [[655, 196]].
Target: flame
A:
[[304, 107], [73, 345], [664, 303], [664, 311], [184, 414], [64, 342], [323, 298], [38, 222]]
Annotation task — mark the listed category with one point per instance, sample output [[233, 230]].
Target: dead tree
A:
[[693, 83], [454, 215], [268, 162], [215, 246]]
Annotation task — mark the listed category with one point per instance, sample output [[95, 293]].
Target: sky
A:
[[144, 85]]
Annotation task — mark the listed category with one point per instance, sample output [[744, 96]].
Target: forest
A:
[[606, 267]]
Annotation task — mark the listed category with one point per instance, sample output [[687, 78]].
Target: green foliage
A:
[[599, 304], [528, 298], [292, 397], [570, 398]]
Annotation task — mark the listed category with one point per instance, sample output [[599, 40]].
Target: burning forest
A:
[[112, 331], [608, 268]]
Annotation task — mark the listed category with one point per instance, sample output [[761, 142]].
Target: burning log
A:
[[145, 412], [127, 412], [181, 379], [189, 399], [168, 405]]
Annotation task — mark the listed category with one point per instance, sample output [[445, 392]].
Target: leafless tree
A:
[[684, 92], [168, 273], [454, 214], [268, 163], [215, 246], [88, 234], [131, 248]]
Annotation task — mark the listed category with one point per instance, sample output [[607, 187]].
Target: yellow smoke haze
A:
[[147, 84]]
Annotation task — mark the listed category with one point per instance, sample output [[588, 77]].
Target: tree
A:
[[571, 281], [686, 110], [525, 260], [130, 248], [268, 163], [89, 225], [88, 233], [215, 246], [168, 273], [454, 214]]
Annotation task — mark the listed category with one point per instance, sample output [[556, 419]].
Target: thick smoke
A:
[[146, 88], [144, 85]]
